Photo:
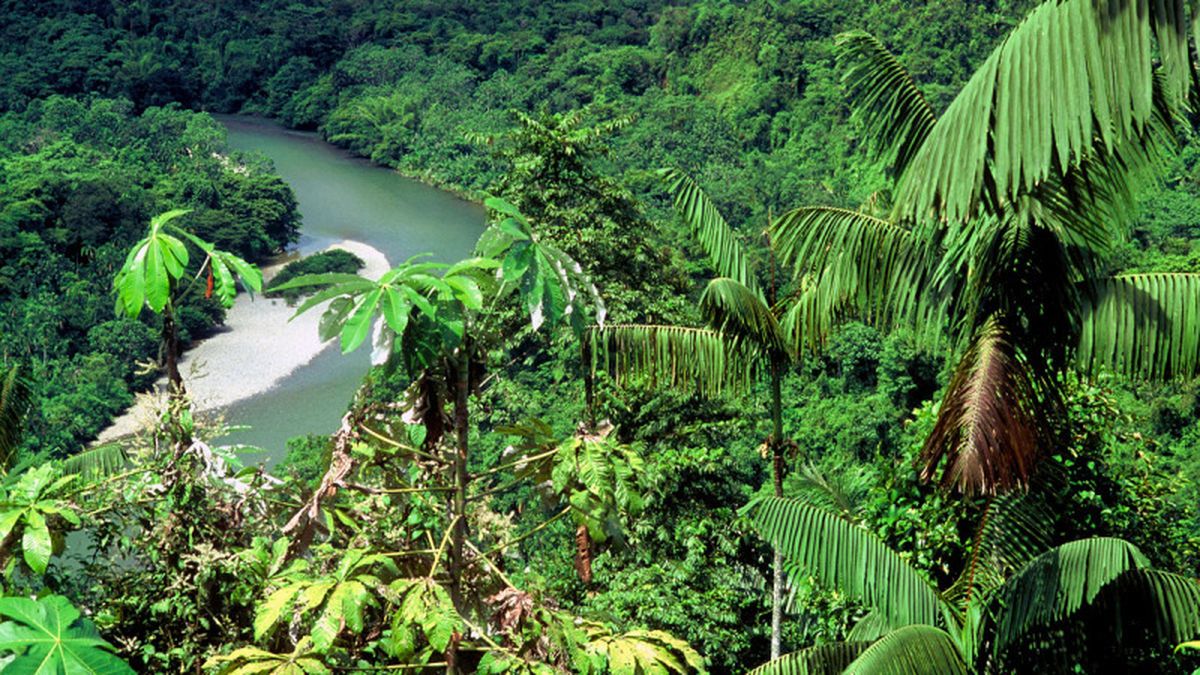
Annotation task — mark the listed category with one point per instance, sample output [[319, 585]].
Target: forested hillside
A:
[[778, 330]]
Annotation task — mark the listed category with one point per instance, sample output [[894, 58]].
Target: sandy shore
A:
[[258, 347]]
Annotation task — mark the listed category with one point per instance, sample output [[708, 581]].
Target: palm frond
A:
[[1059, 582], [102, 460], [884, 97], [710, 230], [1145, 326], [1164, 606], [994, 421], [911, 650], [15, 399], [840, 493], [817, 543], [686, 358], [830, 659], [869, 628], [1071, 72], [1013, 529], [737, 311], [851, 264]]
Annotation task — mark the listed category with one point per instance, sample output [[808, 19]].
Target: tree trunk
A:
[[777, 446], [458, 537], [175, 389]]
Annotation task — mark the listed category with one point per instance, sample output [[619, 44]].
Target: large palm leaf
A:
[[740, 314], [995, 418], [1142, 325], [885, 98], [1059, 582], [829, 659], [710, 230], [1072, 72], [677, 356], [817, 543], [911, 650], [853, 264]]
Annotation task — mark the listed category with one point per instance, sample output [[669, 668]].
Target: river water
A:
[[340, 197]]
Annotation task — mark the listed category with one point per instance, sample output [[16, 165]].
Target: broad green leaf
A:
[[358, 325], [35, 542], [48, 636], [395, 311], [268, 612]]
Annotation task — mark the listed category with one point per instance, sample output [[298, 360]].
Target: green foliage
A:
[[302, 660], [848, 558], [155, 265], [1090, 575], [338, 599], [32, 504], [600, 478], [48, 635], [337, 261], [646, 652], [749, 98], [14, 403]]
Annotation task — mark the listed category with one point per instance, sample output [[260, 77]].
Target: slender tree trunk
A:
[[777, 481], [170, 339], [458, 537]]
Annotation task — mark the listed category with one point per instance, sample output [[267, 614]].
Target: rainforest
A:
[[782, 337]]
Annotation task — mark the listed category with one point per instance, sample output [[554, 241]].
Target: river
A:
[[340, 197]]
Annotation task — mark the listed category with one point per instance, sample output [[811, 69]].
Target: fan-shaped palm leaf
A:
[[676, 356], [709, 228], [830, 659], [737, 312], [1072, 71], [994, 420], [911, 650], [815, 542], [15, 399], [884, 97], [1142, 325]]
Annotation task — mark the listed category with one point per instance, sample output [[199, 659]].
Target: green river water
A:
[[340, 197]]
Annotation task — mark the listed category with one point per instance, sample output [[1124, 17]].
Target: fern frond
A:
[[697, 359], [817, 543], [102, 460], [884, 97]]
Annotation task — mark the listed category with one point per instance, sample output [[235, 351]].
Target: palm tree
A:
[[1004, 212], [1013, 609], [745, 339]]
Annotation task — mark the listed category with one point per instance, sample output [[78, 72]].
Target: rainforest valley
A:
[[802, 336]]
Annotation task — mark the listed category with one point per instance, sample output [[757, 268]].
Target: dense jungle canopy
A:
[[805, 336]]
